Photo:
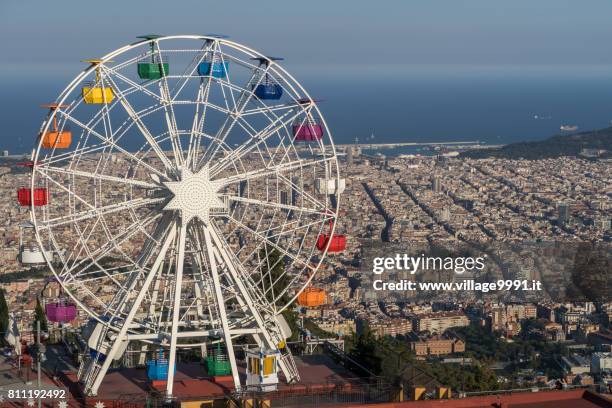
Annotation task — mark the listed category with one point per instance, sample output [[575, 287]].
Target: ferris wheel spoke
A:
[[102, 177], [254, 141], [84, 236], [96, 212], [103, 115], [164, 231], [138, 225], [234, 267], [81, 265], [113, 145], [171, 125], [275, 170], [134, 86], [202, 255], [246, 95], [220, 305], [286, 232], [226, 85], [292, 227], [198, 121], [83, 151], [247, 292], [71, 278], [81, 245], [263, 239], [191, 69], [69, 191], [135, 306], [199, 271], [276, 123], [113, 274], [140, 124], [167, 104], [272, 108], [106, 120], [306, 196], [270, 204], [197, 124], [176, 307]]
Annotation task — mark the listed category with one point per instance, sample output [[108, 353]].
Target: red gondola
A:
[[41, 197], [338, 241]]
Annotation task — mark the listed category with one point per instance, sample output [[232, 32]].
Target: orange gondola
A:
[[55, 138], [312, 297]]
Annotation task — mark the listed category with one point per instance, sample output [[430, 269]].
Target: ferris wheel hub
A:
[[195, 195]]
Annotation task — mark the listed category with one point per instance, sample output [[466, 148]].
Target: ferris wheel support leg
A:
[[176, 308], [143, 351], [121, 336], [221, 304], [290, 374], [199, 308]]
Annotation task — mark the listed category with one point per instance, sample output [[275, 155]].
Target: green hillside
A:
[[556, 146]]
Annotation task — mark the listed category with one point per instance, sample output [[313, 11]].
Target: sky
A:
[[406, 69], [322, 37]]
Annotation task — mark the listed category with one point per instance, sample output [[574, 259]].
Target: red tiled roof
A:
[[543, 399]]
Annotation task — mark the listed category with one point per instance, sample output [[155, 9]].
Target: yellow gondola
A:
[[97, 92]]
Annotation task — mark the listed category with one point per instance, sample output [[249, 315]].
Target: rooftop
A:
[[319, 373], [547, 399]]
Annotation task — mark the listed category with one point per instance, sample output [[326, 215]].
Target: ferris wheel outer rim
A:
[[78, 79]]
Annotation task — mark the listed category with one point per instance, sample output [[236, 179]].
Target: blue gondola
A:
[[216, 69], [157, 370], [269, 90]]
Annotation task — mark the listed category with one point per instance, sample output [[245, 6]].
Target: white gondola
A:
[[330, 186], [29, 252], [262, 369]]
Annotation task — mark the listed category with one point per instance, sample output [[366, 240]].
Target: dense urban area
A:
[[534, 219]]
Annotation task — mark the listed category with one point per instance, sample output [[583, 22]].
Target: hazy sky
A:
[[319, 36], [436, 69]]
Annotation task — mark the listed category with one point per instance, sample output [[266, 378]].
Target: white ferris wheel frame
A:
[[174, 230]]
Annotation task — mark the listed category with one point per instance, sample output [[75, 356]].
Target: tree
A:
[[39, 315], [365, 350], [4, 315], [274, 280]]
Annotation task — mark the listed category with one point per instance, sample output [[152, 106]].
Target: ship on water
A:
[[568, 128]]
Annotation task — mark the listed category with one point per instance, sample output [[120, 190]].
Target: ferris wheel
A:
[[184, 192]]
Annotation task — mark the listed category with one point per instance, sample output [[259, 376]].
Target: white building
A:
[[601, 362], [576, 364]]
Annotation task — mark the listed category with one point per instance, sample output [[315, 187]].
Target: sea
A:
[[493, 107]]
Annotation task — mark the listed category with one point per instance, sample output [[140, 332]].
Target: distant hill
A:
[[556, 146]]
